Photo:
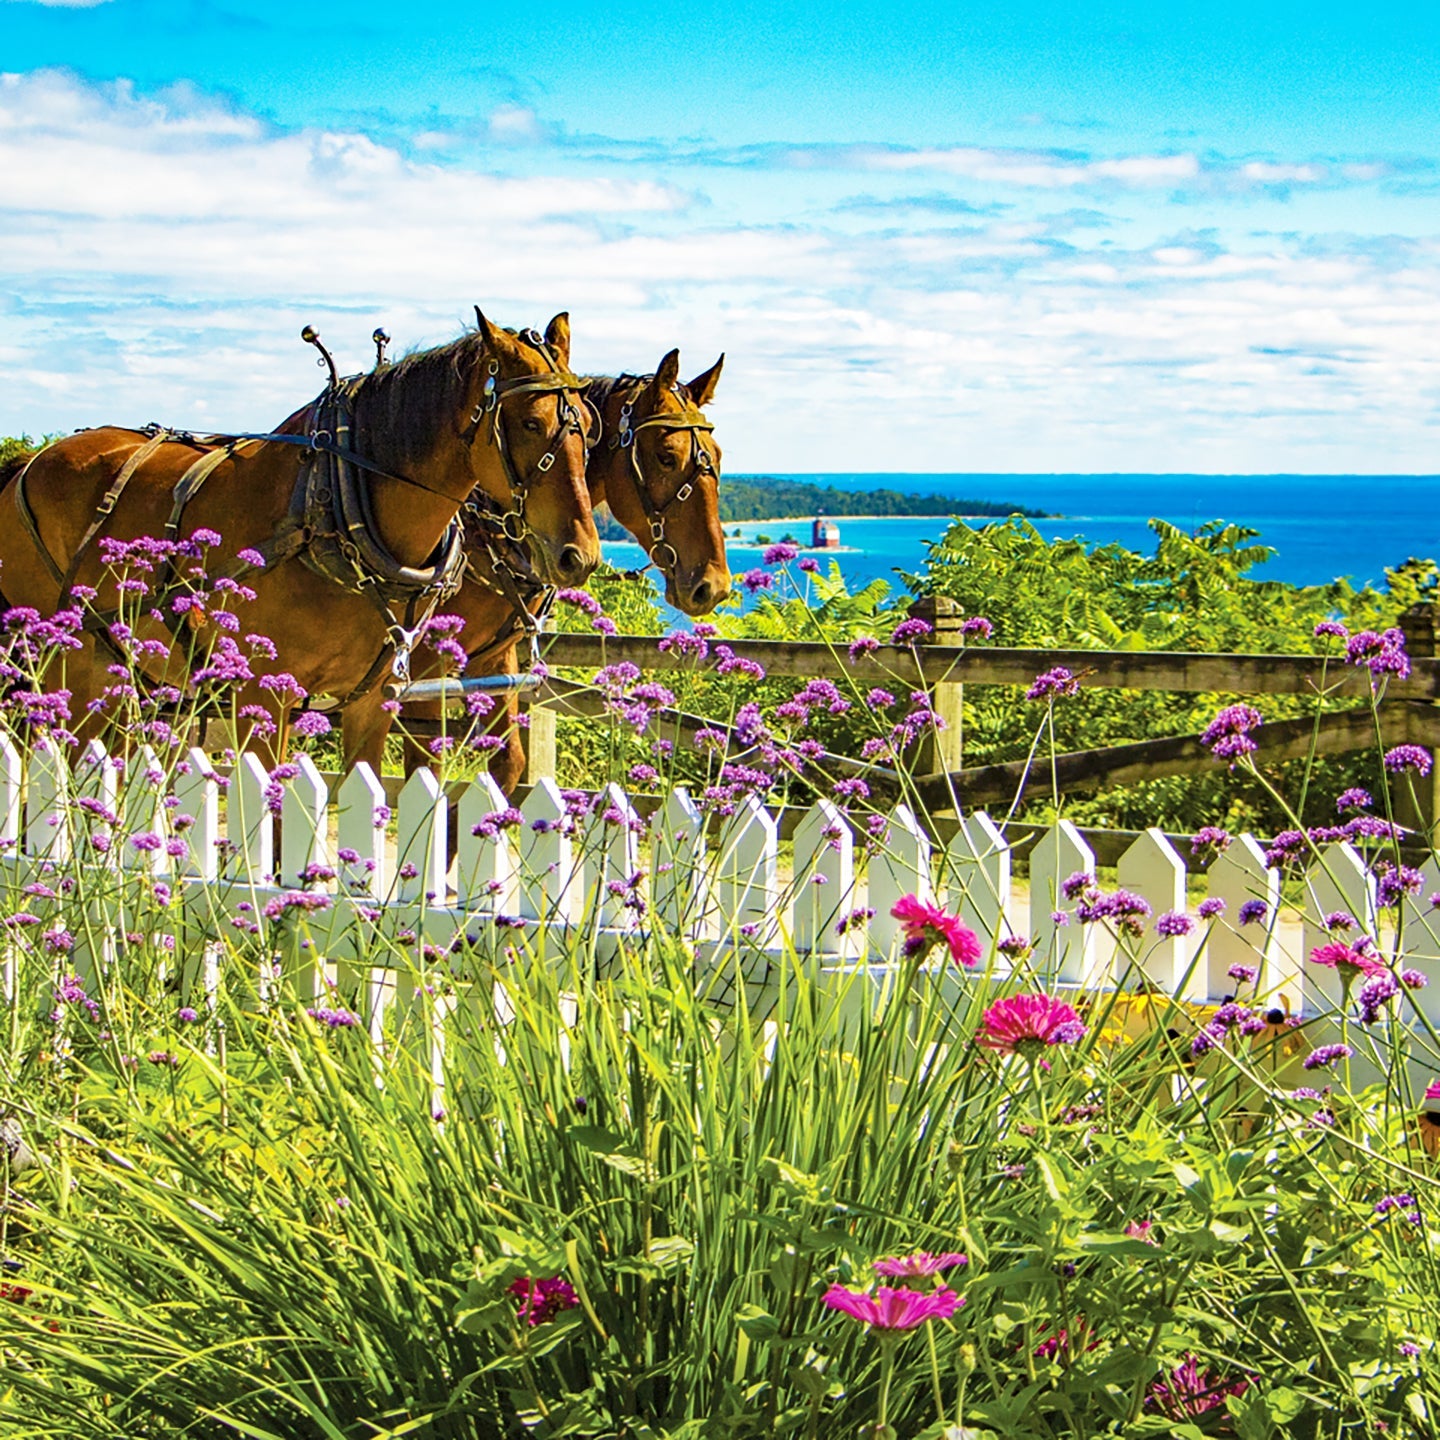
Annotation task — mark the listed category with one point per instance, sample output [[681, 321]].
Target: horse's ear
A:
[[557, 336], [667, 373], [497, 342], [702, 387]]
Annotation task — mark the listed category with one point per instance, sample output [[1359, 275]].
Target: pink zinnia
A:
[[1346, 959], [1026, 1023], [889, 1309], [1188, 1391], [542, 1300], [927, 925], [920, 1264]]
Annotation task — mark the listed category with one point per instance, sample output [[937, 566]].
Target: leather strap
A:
[[133, 462]]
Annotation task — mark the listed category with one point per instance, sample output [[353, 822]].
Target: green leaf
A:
[[1228, 1234], [756, 1323], [1284, 1404], [670, 1251], [609, 1148]]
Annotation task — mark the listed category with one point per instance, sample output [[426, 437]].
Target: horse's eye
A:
[[667, 460], [534, 426]]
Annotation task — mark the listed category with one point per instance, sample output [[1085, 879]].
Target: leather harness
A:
[[330, 524]]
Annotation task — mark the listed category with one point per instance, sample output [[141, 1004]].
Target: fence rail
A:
[[1184, 671]]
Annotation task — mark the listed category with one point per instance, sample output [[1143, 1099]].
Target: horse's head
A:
[[659, 469], [530, 426]]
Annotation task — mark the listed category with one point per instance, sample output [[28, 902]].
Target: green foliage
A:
[[14, 446], [278, 1239], [1196, 592]]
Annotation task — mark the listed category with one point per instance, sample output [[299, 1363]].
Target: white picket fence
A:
[[552, 876]]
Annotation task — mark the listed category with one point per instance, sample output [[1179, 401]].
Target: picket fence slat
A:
[[485, 871], [824, 882], [1153, 870], [1064, 951], [1337, 883], [980, 877], [680, 883], [547, 857], [900, 866], [747, 895], [197, 816]]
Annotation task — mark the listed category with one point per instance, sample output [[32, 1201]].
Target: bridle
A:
[[501, 531], [690, 419], [510, 521]]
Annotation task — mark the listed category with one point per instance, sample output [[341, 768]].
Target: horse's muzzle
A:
[[699, 591], [569, 565]]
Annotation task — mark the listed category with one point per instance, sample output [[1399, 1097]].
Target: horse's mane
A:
[[600, 388], [405, 405]]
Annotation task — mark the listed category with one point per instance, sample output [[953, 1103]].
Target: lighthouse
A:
[[824, 534]]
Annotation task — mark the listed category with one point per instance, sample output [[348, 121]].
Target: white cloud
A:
[[1264, 172], [162, 252], [1034, 169]]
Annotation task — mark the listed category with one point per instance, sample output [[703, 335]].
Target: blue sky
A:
[[928, 237]]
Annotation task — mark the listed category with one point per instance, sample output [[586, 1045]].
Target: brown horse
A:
[[364, 505], [658, 466]]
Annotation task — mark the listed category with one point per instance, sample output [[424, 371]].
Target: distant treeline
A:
[[762, 498]]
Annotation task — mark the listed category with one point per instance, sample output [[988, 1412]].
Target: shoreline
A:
[[847, 519]]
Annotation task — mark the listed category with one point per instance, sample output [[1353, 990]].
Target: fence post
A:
[[539, 738], [1419, 624], [939, 750]]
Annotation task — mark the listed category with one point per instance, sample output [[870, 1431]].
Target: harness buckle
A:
[[513, 527], [545, 461], [404, 642], [683, 493], [657, 531]]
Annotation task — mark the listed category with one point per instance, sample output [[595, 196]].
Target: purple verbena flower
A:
[[1408, 757], [1227, 736], [907, 632], [1324, 1055], [1053, 684]]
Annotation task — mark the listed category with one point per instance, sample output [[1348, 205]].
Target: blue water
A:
[[1320, 526]]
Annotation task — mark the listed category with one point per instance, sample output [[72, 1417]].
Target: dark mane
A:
[[402, 408]]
